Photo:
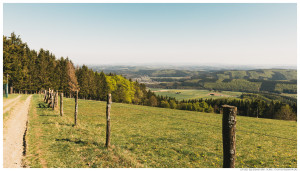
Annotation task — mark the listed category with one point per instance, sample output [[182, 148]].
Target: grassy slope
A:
[[193, 94], [151, 137]]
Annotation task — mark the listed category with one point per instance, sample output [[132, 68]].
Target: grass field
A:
[[151, 137], [186, 94], [289, 95], [10, 96]]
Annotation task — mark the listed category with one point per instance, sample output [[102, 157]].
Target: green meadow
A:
[[10, 96], [289, 95], [143, 136], [185, 94]]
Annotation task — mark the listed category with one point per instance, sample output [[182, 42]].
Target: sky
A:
[[235, 34]]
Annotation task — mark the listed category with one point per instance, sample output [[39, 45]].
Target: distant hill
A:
[[253, 80]]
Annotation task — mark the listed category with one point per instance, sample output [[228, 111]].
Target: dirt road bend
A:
[[13, 135]]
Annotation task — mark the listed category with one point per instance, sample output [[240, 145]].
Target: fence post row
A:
[[76, 106], [228, 133], [108, 107]]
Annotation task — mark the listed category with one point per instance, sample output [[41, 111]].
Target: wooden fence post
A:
[[49, 98], [76, 106], [11, 90], [108, 107], [228, 131], [52, 100], [61, 104], [49, 91], [45, 96], [56, 100]]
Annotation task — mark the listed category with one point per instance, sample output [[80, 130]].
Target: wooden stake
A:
[[49, 99], [45, 96], [52, 100], [108, 107], [228, 131], [49, 94], [56, 100], [61, 104], [76, 106]]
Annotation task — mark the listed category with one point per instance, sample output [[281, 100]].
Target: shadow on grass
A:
[[50, 115], [80, 142], [49, 123], [42, 105]]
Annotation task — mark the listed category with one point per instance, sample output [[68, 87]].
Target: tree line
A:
[[251, 107], [30, 70]]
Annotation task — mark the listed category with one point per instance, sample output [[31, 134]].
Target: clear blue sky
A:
[[159, 33]]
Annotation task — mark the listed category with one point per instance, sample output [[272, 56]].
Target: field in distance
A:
[[289, 95], [143, 136], [185, 94]]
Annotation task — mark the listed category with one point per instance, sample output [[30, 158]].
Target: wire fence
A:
[[218, 126]]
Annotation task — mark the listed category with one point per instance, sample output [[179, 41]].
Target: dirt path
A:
[[13, 135], [9, 103]]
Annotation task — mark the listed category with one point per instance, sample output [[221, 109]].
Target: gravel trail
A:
[[13, 135]]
